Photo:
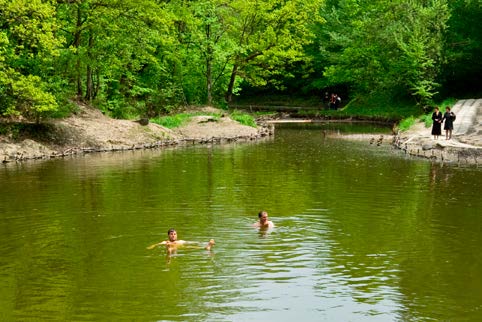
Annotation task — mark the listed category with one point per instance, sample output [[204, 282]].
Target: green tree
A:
[[462, 69], [382, 46], [116, 51], [420, 38], [28, 45], [267, 37], [199, 44], [252, 41]]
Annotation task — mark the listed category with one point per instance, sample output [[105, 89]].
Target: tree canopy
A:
[[147, 57]]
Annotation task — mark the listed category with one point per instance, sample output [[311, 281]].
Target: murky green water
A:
[[362, 235]]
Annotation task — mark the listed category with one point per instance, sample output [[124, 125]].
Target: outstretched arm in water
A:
[[174, 244]]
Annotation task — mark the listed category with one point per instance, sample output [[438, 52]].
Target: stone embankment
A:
[[465, 146]]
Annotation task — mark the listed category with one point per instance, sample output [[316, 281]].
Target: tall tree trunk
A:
[[89, 91], [209, 60], [229, 92], [97, 83], [76, 46], [89, 88]]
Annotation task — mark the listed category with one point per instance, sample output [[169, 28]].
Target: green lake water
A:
[[362, 234]]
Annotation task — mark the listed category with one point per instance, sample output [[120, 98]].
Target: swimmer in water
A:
[[263, 222], [172, 242]]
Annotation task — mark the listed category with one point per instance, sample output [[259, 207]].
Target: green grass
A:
[[383, 107], [172, 121], [177, 120], [426, 119], [450, 102], [243, 118], [9, 129], [264, 113], [407, 123]]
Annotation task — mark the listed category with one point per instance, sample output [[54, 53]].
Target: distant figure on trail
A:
[[172, 243], [263, 222], [333, 101], [326, 100], [337, 101], [449, 118], [437, 123]]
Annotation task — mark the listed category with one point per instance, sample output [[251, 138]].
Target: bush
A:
[[25, 96], [426, 119], [406, 123]]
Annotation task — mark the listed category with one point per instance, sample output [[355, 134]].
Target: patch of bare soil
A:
[[88, 130], [204, 127]]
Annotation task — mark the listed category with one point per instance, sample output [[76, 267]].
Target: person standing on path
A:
[[449, 118], [437, 123]]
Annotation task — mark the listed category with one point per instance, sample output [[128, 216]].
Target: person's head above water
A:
[[263, 221], [172, 234], [263, 216]]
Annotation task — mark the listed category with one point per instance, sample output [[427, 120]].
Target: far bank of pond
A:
[[89, 131]]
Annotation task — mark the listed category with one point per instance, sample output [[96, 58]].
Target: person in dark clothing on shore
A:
[[437, 123], [449, 118]]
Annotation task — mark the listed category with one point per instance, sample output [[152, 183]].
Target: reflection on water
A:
[[361, 234]]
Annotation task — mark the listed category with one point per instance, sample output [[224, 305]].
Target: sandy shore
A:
[[88, 131]]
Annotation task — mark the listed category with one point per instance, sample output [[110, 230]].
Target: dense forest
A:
[[147, 57]]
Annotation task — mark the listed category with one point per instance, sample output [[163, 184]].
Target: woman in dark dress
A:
[[437, 123], [449, 118]]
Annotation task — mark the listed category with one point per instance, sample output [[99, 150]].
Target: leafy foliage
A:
[[148, 58], [384, 46], [406, 123], [27, 47], [426, 119]]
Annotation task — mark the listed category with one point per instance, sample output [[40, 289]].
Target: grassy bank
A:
[[176, 120], [379, 108]]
